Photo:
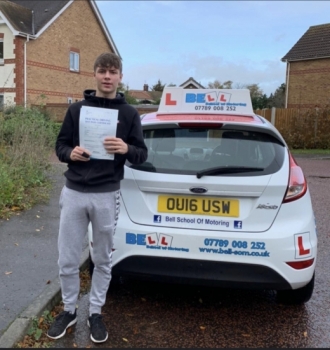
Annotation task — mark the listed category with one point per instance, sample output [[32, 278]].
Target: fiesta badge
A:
[[198, 189]]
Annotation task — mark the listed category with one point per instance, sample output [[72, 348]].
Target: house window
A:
[[1, 102], [74, 61], [1, 51], [69, 100]]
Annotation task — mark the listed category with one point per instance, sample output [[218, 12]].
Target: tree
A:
[[260, 102], [158, 87], [129, 99], [239, 86], [255, 90], [228, 84], [157, 102], [216, 84], [258, 98], [278, 98], [121, 87]]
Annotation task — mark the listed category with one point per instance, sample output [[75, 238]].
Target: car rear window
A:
[[191, 150]]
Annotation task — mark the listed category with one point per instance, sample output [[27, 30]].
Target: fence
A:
[[301, 128]]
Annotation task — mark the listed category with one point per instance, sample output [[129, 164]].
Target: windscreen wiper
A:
[[227, 170]]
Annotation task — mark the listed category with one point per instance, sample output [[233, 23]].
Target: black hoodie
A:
[[99, 175]]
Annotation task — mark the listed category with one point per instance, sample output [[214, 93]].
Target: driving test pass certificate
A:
[[94, 125]]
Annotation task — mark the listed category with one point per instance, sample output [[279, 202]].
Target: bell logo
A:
[[208, 98]]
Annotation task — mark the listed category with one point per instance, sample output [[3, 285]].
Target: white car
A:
[[219, 201]]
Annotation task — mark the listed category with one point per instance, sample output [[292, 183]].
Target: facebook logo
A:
[[157, 219], [238, 224]]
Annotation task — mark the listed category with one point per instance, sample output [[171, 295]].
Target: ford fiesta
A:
[[219, 201]]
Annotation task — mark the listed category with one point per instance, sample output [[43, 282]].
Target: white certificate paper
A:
[[94, 125]]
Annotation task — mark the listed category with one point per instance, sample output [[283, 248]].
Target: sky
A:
[[241, 41]]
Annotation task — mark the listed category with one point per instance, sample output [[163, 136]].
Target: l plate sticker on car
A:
[[302, 245]]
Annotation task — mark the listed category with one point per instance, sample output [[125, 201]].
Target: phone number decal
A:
[[215, 108], [212, 242], [217, 246]]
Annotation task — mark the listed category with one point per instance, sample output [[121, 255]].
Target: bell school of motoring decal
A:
[[211, 101], [154, 241], [197, 221]]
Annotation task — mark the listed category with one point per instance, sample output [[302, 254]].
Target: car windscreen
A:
[[210, 151]]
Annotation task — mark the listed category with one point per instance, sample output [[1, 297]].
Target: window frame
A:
[[2, 101], [2, 60], [74, 61]]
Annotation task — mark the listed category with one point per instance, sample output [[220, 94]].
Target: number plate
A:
[[198, 205]]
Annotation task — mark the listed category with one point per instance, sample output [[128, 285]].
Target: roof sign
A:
[[211, 101]]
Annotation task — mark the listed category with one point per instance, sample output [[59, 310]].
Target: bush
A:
[[27, 137], [307, 129]]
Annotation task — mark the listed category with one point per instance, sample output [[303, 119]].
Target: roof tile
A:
[[315, 43], [19, 13], [194, 82]]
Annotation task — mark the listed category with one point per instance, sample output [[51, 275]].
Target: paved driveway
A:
[[150, 315]]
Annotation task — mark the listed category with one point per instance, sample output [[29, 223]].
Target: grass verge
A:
[[36, 336], [27, 137], [311, 151]]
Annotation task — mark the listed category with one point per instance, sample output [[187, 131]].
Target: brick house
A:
[[145, 96], [149, 97], [308, 69], [48, 48]]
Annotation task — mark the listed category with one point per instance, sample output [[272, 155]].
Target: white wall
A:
[[8, 99], [7, 74]]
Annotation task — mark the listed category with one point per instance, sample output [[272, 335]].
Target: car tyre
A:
[[296, 296]]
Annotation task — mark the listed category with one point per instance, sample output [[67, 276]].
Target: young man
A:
[[91, 194]]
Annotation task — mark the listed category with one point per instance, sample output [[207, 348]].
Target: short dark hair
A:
[[107, 60]]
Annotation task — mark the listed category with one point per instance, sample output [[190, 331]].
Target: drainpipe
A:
[[25, 73], [33, 33], [287, 85]]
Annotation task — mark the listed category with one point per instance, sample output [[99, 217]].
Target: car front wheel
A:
[[296, 296]]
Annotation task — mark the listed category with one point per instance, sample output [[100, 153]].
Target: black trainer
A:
[[99, 333], [62, 322]]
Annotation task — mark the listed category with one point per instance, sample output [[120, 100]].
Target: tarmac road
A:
[[154, 315]]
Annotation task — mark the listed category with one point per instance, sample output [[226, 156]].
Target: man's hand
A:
[[115, 145], [80, 154]]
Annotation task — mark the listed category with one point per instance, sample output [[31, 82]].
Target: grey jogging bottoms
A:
[[77, 210]]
